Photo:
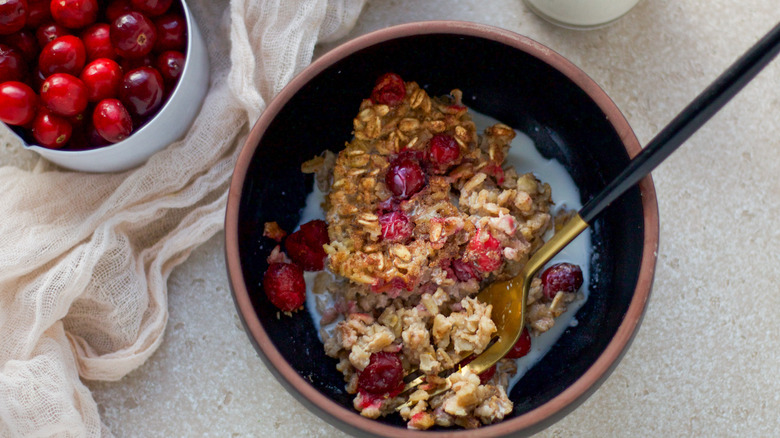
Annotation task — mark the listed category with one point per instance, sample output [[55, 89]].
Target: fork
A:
[[508, 298]]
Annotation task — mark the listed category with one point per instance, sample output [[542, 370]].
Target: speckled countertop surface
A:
[[706, 361]]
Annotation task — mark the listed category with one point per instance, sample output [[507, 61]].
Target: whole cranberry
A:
[[64, 94], [142, 91], [97, 42], [51, 130], [484, 251], [74, 14], [443, 150], [171, 32], [396, 226], [38, 12], [133, 35], [24, 41], [562, 277], [13, 16], [151, 8], [305, 245], [66, 54], [284, 286], [383, 374], [133, 63], [389, 90], [37, 78], [12, 65], [404, 177], [170, 64], [117, 8], [112, 121], [103, 77], [50, 32], [18, 103], [93, 137], [521, 347]]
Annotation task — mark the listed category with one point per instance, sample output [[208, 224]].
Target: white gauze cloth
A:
[[84, 258]]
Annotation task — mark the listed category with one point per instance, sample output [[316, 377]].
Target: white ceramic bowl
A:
[[168, 125]]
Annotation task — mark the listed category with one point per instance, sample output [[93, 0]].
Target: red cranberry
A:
[[443, 150], [383, 374], [74, 14], [563, 277], [97, 42], [93, 137], [404, 177], [103, 77], [50, 130], [389, 90], [142, 91], [151, 8], [66, 54], [133, 63], [12, 65], [396, 226], [38, 12], [284, 286], [117, 8], [111, 120], [484, 251], [133, 35], [64, 94], [171, 33], [521, 347], [170, 64], [464, 271], [13, 16], [18, 103], [50, 32], [25, 42], [305, 245]]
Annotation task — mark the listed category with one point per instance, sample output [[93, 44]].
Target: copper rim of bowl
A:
[[530, 420]]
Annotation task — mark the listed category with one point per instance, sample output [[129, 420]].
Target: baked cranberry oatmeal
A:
[[421, 212]]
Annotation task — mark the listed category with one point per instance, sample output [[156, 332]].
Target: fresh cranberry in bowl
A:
[[24, 41], [170, 65], [117, 8], [74, 14], [38, 12], [133, 35], [49, 32], [51, 130], [97, 42], [142, 91], [102, 77], [65, 54], [112, 121], [12, 65], [13, 16], [171, 32], [18, 103], [151, 8], [64, 94]]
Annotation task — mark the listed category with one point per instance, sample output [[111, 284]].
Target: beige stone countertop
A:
[[706, 360]]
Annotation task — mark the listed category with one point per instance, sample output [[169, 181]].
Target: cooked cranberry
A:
[[97, 42], [464, 271], [305, 245], [170, 64], [18, 103], [38, 12], [66, 54], [25, 42], [404, 177], [484, 251], [521, 347], [64, 94], [284, 286], [50, 130], [133, 35], [563, 277], [383, 374], [171, 33], [74, 14], [151, 8], [396, 226], [389, 90], [50, 32], [142, 91], [12, 65], [443, 150], [13, 16], [111, 120], [103, 77]]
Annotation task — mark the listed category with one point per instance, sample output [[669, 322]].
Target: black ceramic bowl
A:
[[508, 77]]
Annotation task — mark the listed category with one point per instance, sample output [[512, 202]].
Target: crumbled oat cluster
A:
[[421, 212]]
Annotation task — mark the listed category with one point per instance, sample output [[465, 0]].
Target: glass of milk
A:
[[581, 14]]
